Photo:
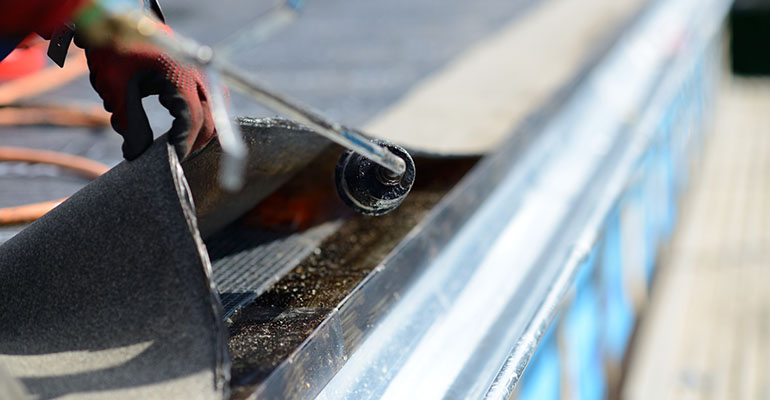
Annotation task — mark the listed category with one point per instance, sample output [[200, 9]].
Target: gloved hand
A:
[[124, 75]]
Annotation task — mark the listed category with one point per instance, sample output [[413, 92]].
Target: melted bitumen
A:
[[267, 332]]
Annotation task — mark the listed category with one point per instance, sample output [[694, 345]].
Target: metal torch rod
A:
[[191, 51], [334, 131]]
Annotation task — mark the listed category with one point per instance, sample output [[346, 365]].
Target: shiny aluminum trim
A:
[[505, 381], [468, 325]]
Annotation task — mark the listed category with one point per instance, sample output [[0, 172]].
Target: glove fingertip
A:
[[182, 149], [132, 149]]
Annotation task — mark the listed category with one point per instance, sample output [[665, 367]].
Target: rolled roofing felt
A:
[[110, 294], [278, 149]]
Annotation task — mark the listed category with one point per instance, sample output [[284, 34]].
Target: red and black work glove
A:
[[124, 75]]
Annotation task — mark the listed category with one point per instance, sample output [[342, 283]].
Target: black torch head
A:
[[370, 188]]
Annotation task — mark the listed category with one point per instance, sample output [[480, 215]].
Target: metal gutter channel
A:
[[468, 326], [599, 208]]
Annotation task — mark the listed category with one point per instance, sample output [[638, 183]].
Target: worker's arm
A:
[[21, 19], [18, 19]]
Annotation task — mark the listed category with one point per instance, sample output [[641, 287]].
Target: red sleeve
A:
[[20, 18]]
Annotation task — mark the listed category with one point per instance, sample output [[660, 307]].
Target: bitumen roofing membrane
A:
[[348, 59], [344, 58], [88, 308]]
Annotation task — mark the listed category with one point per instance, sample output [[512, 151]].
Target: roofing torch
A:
[[372, 176]]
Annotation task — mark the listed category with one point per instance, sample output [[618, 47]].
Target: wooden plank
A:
[[705, 333]]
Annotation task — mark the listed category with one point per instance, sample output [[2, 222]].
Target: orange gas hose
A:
[[30, 212], [45, 80], [32, 85], [58, 115], [27, 212]]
